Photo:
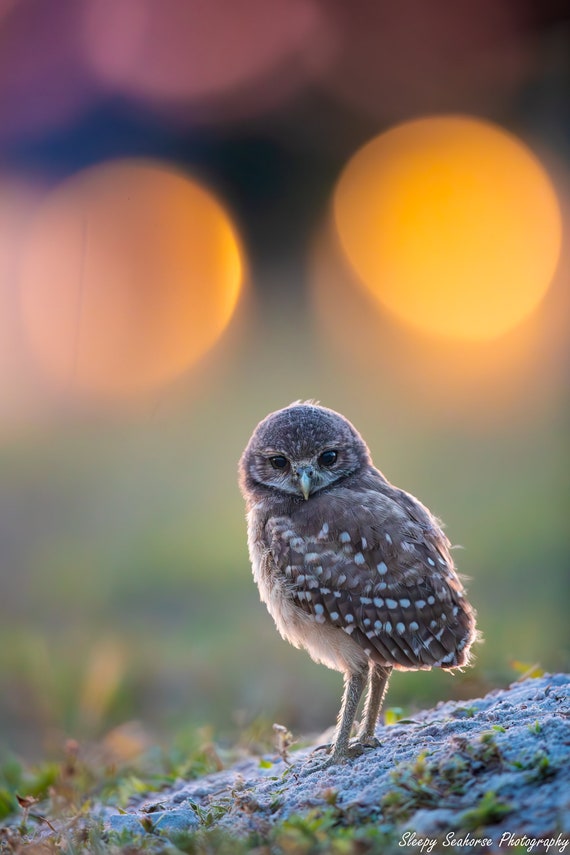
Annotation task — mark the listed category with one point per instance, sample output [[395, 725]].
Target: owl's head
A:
[[300, 451]]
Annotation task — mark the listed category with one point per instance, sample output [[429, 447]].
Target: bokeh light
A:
[[19, 397], [240, 57], [130, 273], [396, 60], [452, 224], [448, 384], [44, 83]]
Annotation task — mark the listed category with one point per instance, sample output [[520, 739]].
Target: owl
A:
[[352, 569]]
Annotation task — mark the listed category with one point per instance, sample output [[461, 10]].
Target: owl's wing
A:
[[378, 567]]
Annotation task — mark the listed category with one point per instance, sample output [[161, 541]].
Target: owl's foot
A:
[[366, 742], [361, 745], [337, 756]]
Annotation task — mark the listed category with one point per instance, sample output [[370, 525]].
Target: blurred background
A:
[[209, 210]]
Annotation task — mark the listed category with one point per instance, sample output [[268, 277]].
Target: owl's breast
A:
[[325, 643]]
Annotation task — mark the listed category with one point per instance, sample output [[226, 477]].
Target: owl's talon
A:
[[369, 741], [326, 746], [355, 749], [315, 765], [359, 746]]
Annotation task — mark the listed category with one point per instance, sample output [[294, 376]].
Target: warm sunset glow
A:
[[452, 224], [131, 272]]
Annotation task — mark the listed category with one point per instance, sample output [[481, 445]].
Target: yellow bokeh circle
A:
[[131, 272], [452, 224]]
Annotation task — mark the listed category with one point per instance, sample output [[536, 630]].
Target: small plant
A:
[[416, 787], [488, 752], [454, 770], [489, 810], [538, 768], [465, 712], [526, 670], [393, 715], [283, 742]]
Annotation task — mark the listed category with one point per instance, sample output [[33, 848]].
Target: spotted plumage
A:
[[351, 568]]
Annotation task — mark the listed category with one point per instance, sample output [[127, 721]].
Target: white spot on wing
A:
[[359, 558], [344, 537], [391, 604], [400, 628], [382, 568]]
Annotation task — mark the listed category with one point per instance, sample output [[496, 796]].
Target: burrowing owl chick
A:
[[351, 568]]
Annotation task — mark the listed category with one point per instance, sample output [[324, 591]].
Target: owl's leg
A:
[[353, 688], [341, 748], [377, 687]]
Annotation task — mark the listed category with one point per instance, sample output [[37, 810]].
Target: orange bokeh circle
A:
[[452, 224], [131, 272]]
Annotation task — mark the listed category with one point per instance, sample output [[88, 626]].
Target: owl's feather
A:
[[378, 569]]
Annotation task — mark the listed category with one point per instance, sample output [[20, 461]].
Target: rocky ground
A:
[[491, 774], [496, 768]]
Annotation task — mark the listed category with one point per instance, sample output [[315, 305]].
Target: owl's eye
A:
[[327, 458], [278, 461]]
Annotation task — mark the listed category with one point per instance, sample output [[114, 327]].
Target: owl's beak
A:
[[305, 482]]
